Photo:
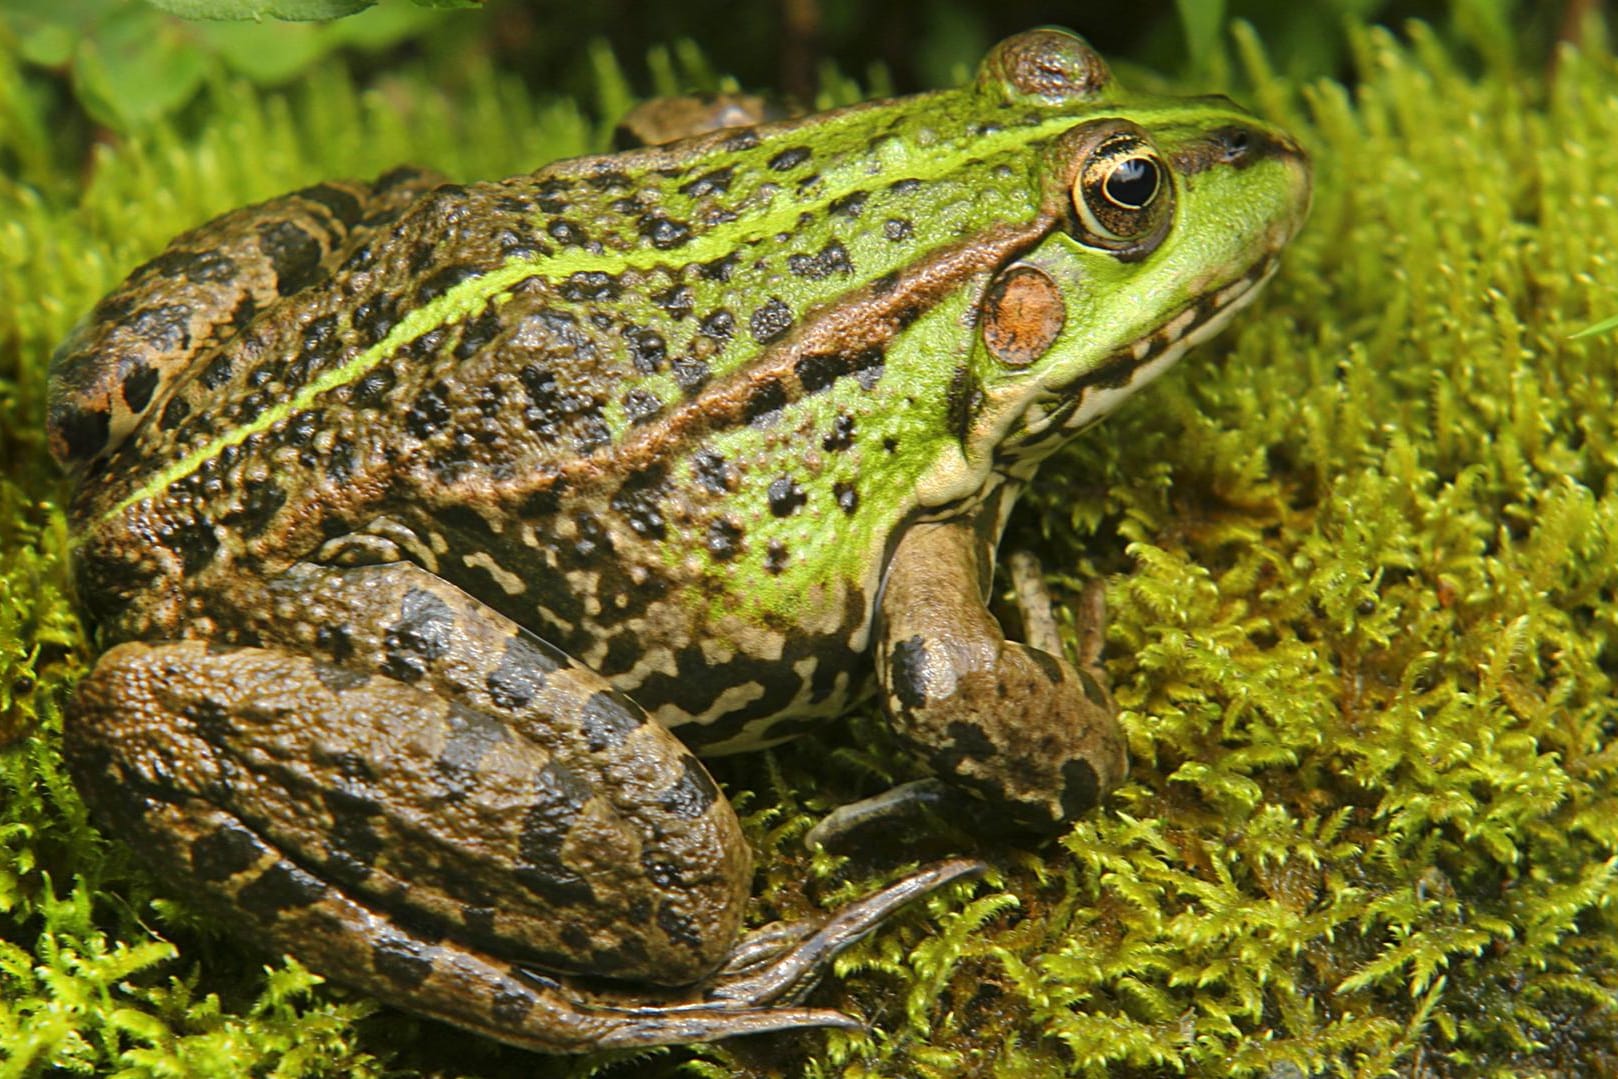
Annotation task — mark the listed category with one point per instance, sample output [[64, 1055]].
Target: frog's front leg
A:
[[1012, 722], [415, 796]]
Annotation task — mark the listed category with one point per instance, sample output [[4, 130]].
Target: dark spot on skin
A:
[[223, 853], [623, 652], [280, 888], [819, 370], [850, 204], [969, 740], [216, 373], [711, 471], [905, 186], [693, 794], [593, 540], [665, 233], [401, 961], [898, 229], [352, 844], [690, 374], [522, 671], [339, 679], [764, 403], [511, 1008], [259, 507], [339, 203], [336, 640], [1093, 691], [720, 326], [1048, 665], [659, 870], [443, 280], [209, 268], [841, 436], [724, 539], [771, 321], [372, 388], [890, 444], [790, 158], [470, 736], [907, 672], [775, 558], [607, 719], [429, 412], [174, 413], [677, 301], [868, 367], [294, 255], [194, 541], [719, 269], [376, 315], [139, 382], [961, 401], [742, 140], [421, 635], [884, 284], [641, 405], [678, 927], [716, 182], [560, 795], [785, 496], [647, 350], [848, 499], [1081, 790], [833, 258], [567, 233], [543, 501], [639, 500], [608, 178], [476, 334], [589, 286], [84, 432]]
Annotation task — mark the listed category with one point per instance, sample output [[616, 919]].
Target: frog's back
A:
[[628, 395]]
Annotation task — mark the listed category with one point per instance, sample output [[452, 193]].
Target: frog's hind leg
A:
[[451, 806]]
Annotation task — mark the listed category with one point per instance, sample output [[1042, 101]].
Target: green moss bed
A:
[[1361, 557]]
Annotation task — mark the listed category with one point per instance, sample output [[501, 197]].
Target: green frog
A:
[[433, 530]]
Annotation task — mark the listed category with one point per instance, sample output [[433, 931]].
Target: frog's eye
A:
[[1122, 194]]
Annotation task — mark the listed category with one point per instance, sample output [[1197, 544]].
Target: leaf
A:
[[290, 10], [1606, 325], [1201, 20]]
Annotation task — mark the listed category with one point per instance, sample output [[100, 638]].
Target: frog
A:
[[435, 533]]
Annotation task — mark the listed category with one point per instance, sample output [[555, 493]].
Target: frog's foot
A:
[[1014, 722]]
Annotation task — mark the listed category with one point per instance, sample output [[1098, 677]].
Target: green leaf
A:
[[137, 68], [1202, 21], [291, 10], [1606, 325]]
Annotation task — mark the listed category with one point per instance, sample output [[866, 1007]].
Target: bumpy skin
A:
[[405, 505]]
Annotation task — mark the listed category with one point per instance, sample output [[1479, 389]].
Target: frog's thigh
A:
[[453, 773], [1016, 724]]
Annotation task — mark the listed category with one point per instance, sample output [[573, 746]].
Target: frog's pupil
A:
[[1132, 182]]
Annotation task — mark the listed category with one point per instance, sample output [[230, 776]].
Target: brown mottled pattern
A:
[[559, 431]]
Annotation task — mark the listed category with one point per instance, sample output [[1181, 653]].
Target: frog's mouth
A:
[[1066, 409]]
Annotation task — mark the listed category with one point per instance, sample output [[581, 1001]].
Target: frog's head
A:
[[1168, 216]]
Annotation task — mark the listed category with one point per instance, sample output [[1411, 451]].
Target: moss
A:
[[1363, 560]]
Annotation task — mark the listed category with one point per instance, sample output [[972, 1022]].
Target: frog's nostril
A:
[[1235, 143]]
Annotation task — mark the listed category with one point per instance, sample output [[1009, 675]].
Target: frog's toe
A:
[[792, 971]]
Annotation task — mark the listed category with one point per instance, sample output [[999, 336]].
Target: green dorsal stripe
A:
[[467, 298]]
